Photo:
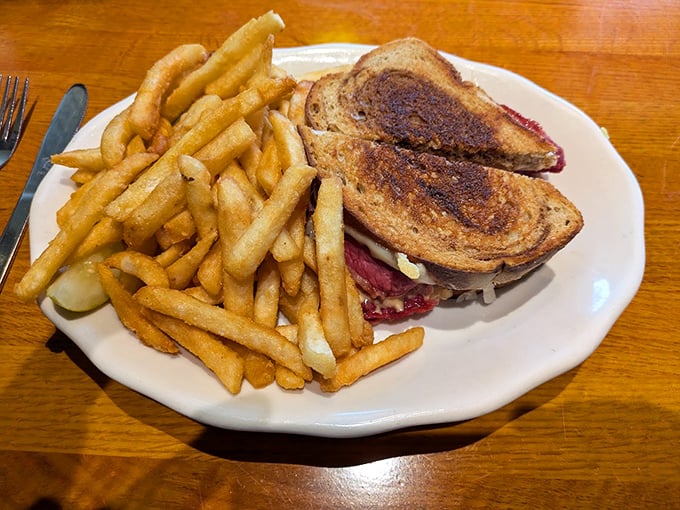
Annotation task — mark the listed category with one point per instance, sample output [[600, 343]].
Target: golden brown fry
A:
[[226, 363], [84, 159], [259, 370], [316, 351], [361, 331], [105, 231], [160, 141], [266, 305], [142, 266], [131, 315], [180, 227], [374, 356], [135, 145], [203, 295], [145, 112], [226, 146], [255, 32], [115, 138], [287, 379], [199, 194], [193, 115], [226, 324], [234, 217], [173, 253], [268, 170], [209, 273], [330, 260], [163, 203], [237, 75], [89, 211], [207, 128], [290, 151], [252, 247], [183, 270]]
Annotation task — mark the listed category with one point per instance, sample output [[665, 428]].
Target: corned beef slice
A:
[[380, 281]]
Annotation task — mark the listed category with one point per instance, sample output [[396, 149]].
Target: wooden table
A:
[[603, 435]]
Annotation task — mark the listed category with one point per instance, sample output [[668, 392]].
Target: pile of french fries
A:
[[204, 180]]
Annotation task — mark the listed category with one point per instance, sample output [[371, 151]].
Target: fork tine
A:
[[11, 104], [3, 106], [19, 118]]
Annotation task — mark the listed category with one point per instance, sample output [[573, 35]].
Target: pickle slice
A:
[[77, 288]]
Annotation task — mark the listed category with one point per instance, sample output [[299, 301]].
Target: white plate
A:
[[475, 359]]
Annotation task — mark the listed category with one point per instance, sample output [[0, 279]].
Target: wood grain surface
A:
[[603, 435]]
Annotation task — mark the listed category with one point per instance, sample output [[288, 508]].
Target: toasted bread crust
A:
[[471, 226], [407, 94]]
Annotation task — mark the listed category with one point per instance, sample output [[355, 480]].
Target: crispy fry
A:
[[193, 115], [105, 231], [199, 194], [316, 351], [181, 227], [89, 211], [237, 75], [142, 266], [131, 315], [226, 324], [226, 146], [234, 217], [164, 202], [361, 331], [145, 112], [266, 305], [290, 151], [115, 138], [255, 32], [209, 273], [251, 248], [226, 363], [183, 270], [84, 159], [207, 128], [330, 259], [372, 357]]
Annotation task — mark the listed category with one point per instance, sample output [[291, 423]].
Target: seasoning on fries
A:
[[195, 211]]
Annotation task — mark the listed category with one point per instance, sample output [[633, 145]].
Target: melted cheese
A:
[[397, 260]]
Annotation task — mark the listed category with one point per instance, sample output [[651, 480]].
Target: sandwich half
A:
[[405, 93], [422, 227]]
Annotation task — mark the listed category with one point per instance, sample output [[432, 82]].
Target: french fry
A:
[[164, 202], [226, 146], [361, 331], [142, 266], [181, 227], [372, 357], [209, 273], [105, 231], [115, 138], [183, 269], [255, 32], [226, 324], [268, 171], [296, 109], [290, 151], [88, 212], [316, 351], [173, 253], [84, 159], [330, 260], [193, 115], [237, 75], [145, 112], [131, 315], [234, 217], [199, 194], [267, 289], [207, 128], [226, 363], [252, 247]]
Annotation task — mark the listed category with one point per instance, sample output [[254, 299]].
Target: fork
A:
[[11, 117]]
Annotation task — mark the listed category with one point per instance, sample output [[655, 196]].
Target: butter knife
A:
[[65, 123]]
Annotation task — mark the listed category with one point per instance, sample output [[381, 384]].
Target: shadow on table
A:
[[318, 451]]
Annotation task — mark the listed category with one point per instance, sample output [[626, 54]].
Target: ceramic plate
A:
[[475, 359]]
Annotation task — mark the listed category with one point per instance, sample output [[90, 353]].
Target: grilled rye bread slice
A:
[[405, 93], [470, 226]]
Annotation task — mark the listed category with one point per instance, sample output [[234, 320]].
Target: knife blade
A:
[[64, 124]]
